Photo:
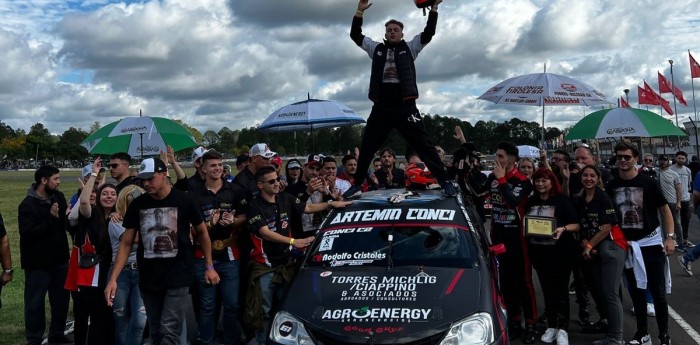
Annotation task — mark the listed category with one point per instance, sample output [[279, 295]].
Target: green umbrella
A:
[[139, 136], [623, 122]]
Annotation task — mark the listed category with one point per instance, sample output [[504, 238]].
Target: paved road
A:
[[684, 307]]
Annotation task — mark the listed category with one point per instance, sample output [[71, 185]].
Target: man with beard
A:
[[638, 201], [310, 189], [509, 192], [350, 169], [394, 91], [686, 186], [43, 247]]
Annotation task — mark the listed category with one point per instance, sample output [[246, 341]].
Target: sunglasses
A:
[[273, 181], [648, 160], [113, 165], [624, 157]]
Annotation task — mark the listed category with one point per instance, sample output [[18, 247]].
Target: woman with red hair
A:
[[552, 254]]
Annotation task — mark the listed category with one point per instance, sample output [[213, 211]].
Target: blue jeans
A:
[[37, 283], [129, 312], [692, 255], [271, 293], [166, 312], [229, 274]]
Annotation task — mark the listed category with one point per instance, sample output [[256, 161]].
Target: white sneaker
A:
[[549, 335], [562, 337], [650, 309]]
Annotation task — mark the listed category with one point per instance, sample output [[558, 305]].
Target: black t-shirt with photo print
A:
[[637, 202], [165, 255]]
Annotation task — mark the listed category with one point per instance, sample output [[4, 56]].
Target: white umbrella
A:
[[541, 89], [528, 151]]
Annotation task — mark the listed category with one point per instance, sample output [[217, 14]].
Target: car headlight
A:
[[474, 330], [286, 329]]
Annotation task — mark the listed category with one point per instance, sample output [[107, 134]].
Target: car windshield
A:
[[432, 246]]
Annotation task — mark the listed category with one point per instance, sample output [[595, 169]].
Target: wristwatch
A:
[[8, 271], [672, 236]]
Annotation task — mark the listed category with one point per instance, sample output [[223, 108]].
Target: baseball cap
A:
[[261, 150], [663, 158], [87, 170], [150, 166], [294, 164], [277, 161], [314, 159], [198, 153], [227, 167]]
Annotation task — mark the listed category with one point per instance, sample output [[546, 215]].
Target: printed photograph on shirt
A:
[[628, 200], [159, 232], [542, 211]]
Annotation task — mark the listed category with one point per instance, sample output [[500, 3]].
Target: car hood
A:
[[401, 303]]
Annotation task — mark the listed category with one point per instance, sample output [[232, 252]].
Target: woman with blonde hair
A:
[[129, 312]]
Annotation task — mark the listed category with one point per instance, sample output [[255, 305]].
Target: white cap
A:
[[198, 153], [261, 150]]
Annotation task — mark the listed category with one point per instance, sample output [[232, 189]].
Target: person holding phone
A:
[[552, 257]]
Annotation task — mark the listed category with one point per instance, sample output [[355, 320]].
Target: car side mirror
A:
[[497, 249]]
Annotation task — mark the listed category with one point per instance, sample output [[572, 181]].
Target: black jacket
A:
[[43, 242]]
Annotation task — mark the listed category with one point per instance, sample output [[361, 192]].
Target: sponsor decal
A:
[[286, 328], [326, 244], [325, 274], [346, 231], [560, 100], [368, 314], [520, 101], [134, 129], [151, 148], [394, 214], [387, 288], [532, 90], [292, 114], [568, 87], [356, 256], [621, 130], [375, 330]]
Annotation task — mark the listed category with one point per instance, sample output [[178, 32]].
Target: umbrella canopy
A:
[[623, 122], [528, 151], [309, 115], [541, 89], [131, 134]]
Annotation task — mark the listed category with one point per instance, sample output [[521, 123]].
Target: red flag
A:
[[659, 100], [665, 87], [623, 103], [694, 67], [646, 97]]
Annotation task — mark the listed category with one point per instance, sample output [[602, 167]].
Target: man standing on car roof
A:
[[509, 192]]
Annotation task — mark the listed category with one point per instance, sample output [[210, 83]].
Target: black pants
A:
[[655, 263], [515, 274], [553, 265], [37, 283], [408, 121], [90, 303]]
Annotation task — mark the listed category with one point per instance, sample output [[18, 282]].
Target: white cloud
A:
[[216, 63]]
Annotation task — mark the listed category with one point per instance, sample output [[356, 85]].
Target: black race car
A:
[[415, 272]]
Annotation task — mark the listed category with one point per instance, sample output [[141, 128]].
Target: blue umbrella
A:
[[309, 115]]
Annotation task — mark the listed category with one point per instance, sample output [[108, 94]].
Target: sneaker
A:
[[549, 335], [686, 265], [354, 192], [650, 309], [665, 339], [640, 340], [530, 335], [598, 327], [681, 249], [562, 337], [448, 188], [688, 244]]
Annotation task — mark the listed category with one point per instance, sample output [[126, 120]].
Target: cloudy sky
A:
[[215, 63]]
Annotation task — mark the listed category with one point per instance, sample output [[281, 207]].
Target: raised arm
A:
[[356, 28]]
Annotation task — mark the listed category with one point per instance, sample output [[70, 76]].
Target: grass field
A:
[[13, 189]]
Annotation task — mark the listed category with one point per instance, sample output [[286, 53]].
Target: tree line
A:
[[39, 144]]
